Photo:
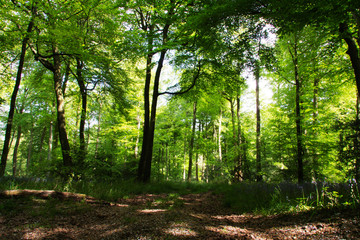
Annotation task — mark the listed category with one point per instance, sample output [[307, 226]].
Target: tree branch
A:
[[189, 88]]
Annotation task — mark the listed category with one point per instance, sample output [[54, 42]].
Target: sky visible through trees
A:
[[166, 90]]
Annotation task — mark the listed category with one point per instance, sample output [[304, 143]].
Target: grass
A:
[[262, 198], [45, 211]]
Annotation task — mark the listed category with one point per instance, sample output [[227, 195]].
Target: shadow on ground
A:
[[52, 215]]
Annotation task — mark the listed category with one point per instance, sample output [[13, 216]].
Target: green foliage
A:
[[260, 198], [226, 39]]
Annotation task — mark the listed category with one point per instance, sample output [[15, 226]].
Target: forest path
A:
[[30, 214]]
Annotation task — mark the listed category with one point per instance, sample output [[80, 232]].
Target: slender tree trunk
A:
[[98, 132], [9, 124], [167, 162], [298, 114], [162, 162], [144, 170], [315, 119], [16, 148], [30, 148], [146, 128], [191, 148], [258, 126], [237, 168], [219, 137], [136, 150], [242, 149], [83, 93], [197, 156], [184, 160], [197, 166]]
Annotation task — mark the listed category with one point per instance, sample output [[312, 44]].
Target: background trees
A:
[[179, 79]]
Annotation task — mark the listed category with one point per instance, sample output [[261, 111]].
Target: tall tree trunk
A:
[[144, 170], [315, 119], [60, 103], [30, 148], [98, 132], [16, 148], [219, 137], [237, 168], [184, 160], [83, 93], [10, 119], [298, 114], [191, 147], [150, 140], [242, 149], [59, 89], [167, 162], [357, 142], [136, 150], [258, 126], [197, 157], [146, 128]]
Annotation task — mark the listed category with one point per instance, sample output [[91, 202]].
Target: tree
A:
[[9, 124], [341, 18], [158, 23]]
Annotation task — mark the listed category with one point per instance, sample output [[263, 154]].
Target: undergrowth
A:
[[260, 198]]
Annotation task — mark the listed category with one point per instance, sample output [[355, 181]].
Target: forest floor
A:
[[31, 214]]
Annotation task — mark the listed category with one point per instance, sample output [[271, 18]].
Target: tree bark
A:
[[184, 160], [357, 142], [191, 147], [145, 146], [60, 103], [242, 149], [237, 174], [16, 148], [150, 139], [219, 137], [315, 119], [144, 170], [83, 93], [30, 148], [258, 126], [136, 150], [298, 114], [9, 124]]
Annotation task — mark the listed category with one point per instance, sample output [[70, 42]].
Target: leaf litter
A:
[[33, 214]]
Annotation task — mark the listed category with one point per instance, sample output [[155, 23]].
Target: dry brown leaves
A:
[[196, 216]]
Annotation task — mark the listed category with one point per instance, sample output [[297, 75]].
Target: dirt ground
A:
[[29, 214]]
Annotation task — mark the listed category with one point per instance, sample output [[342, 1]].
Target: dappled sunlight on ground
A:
[[180, 229], [156, 216], [151, 210], [120, 205], [230, 231]]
